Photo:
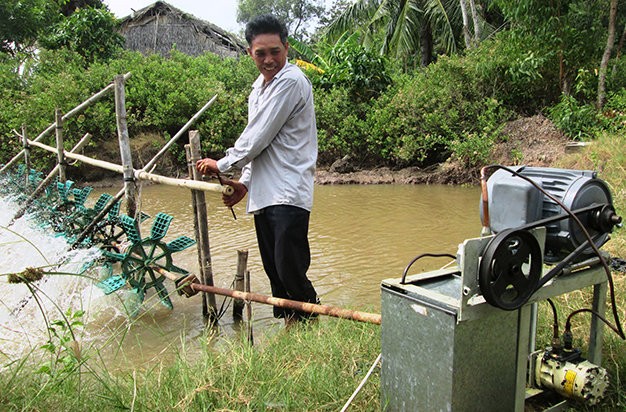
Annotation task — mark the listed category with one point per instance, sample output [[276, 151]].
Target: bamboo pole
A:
[[26, 154], [242, 265], [140, 175], [44, 183], [248, 308], [196, 230], [203, 243], [327, 310], [60, 147], [189, 184], [91, 100], [130, 189]]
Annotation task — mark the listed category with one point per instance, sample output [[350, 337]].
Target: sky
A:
[[222, 13]]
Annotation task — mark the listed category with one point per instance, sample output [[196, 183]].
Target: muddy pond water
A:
[[359, 235]]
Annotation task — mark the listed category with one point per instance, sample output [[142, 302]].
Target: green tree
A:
[[407, 26], [296, 14], [571, 31], [69, 7], [91, 32], [21, 22]]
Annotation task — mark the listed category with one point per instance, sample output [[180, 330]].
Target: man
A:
[[277, 153]]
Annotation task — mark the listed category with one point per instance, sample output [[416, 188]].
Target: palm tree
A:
[[406, 26]]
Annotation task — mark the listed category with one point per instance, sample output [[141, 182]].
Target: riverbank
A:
[[531, 141]]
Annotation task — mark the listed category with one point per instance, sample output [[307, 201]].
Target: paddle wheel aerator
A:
[[147, 262]]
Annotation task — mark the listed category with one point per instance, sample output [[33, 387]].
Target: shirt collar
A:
[[259, 81]]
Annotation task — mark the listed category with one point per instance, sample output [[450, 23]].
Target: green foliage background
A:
[[368, 107]]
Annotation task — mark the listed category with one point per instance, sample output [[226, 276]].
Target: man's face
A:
[[269, 54]]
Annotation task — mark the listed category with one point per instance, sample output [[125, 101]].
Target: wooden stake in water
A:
[[202, 236], [60, 150], [242, 264], [130, 192], [249, 308]]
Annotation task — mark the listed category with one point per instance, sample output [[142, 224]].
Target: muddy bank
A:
[[532, 141]]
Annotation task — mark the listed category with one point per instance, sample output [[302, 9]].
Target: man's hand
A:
[[238, 194], [207, 166]]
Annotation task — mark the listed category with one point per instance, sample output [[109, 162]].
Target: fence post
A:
[[202, 230], [60, 148], [130, 192], [248, 308], [242, 264]]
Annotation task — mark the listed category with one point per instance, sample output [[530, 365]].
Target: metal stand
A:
[[445, 348]]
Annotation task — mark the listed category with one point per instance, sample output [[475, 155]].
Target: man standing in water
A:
[[276, 153]]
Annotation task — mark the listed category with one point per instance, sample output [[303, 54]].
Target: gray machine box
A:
[[433, 362], [444, 348]]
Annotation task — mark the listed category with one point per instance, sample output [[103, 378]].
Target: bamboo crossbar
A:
[[94, 98], [189, 184], [140, 174], [337, 312]]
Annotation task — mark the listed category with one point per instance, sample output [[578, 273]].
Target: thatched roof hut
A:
[[160, 27]]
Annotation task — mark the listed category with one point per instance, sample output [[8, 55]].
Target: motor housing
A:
[[514, 202], [570, 375]]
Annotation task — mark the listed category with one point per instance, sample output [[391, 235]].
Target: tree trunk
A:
[[620, 47], [466, 32], [604, 64], [476, 20], [426, 44]]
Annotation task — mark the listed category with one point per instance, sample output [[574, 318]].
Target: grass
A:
[[607, 156], [306, 368], [312, 368]]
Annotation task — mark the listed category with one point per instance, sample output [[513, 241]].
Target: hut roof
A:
[[207, 36]]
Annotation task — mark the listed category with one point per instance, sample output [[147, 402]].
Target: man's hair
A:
[[265, 24]]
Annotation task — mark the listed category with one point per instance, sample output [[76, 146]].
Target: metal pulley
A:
[[510, 269], [524, 198]]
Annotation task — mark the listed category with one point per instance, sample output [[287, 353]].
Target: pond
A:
[[359, 235]]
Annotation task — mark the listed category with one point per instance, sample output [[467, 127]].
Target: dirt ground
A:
[[531, 141]]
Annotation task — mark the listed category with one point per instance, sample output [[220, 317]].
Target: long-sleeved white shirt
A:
[[277, 150]]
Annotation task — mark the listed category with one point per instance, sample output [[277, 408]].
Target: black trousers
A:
[[282, 233]]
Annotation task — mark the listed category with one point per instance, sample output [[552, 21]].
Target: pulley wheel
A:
[[510, 269]]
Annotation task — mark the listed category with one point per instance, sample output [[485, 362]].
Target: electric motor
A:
[[573, 377], [514, 202]]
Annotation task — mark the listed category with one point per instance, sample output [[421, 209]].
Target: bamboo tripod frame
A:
[[195, 184]]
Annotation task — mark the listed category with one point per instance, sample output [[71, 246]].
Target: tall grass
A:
[[312, 367]]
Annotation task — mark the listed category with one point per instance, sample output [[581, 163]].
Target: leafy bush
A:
[[340, 130], [162, 94], [417, 123], [349, 65], [577, 120], [516, 71]]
